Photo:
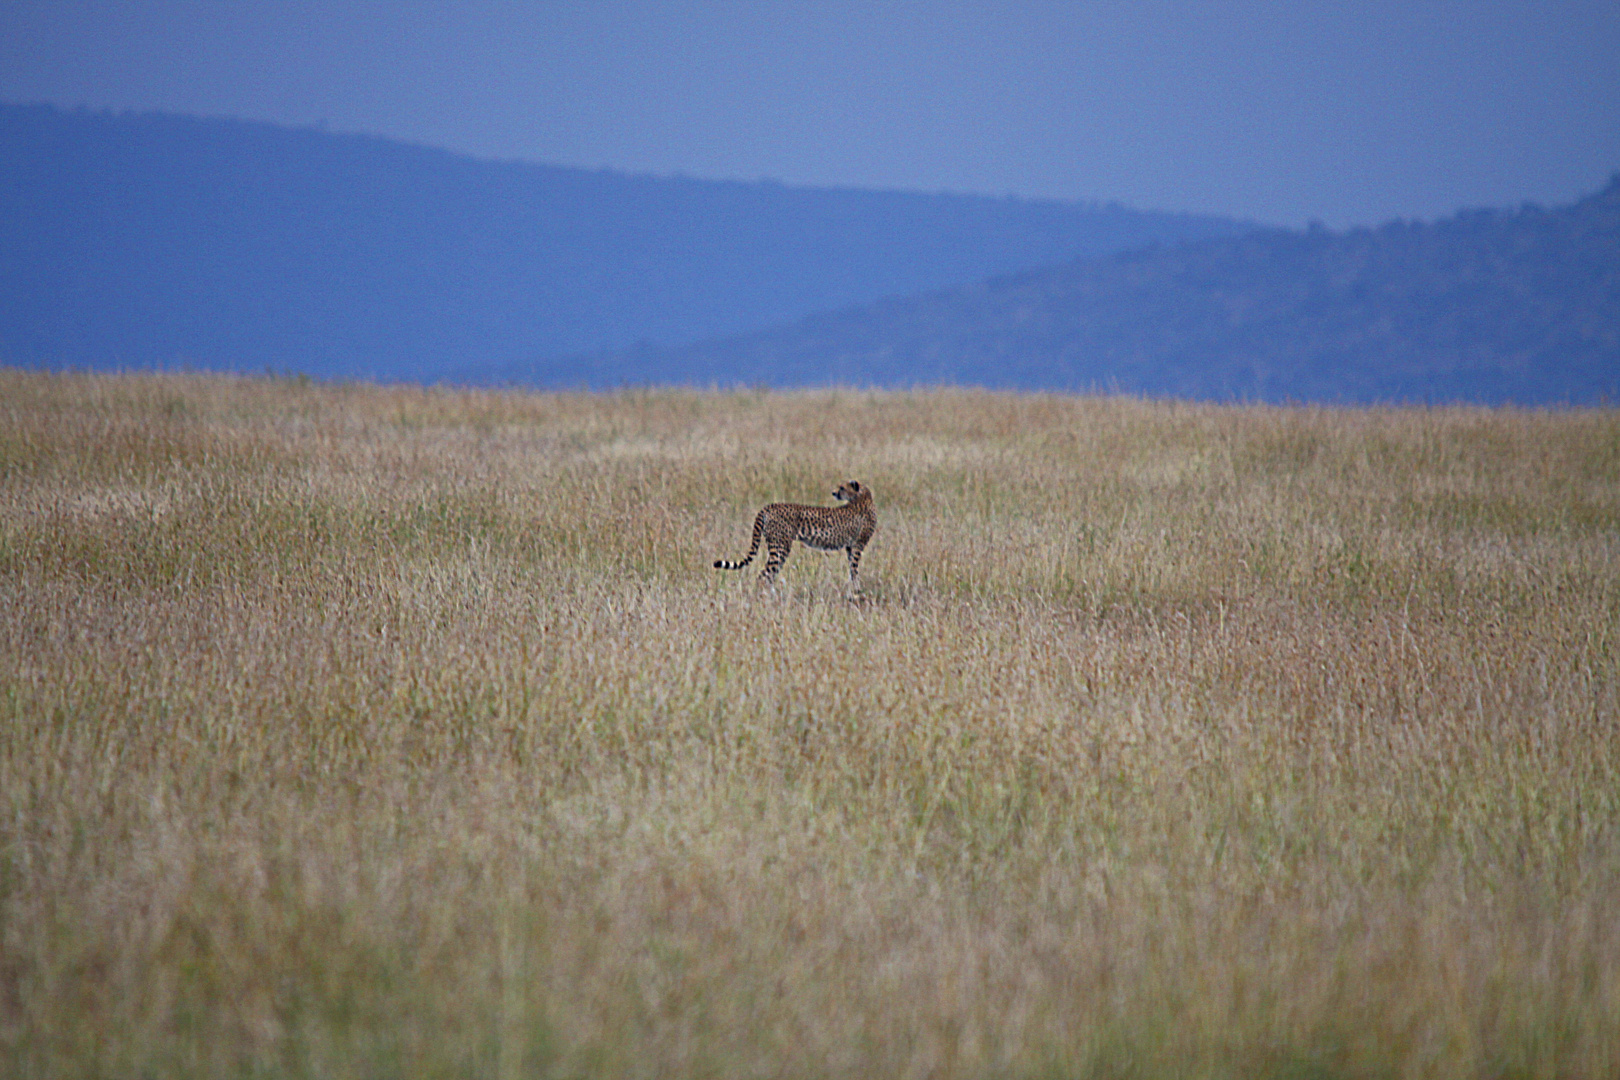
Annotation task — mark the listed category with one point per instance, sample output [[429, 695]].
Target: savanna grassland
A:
[[382, 732]]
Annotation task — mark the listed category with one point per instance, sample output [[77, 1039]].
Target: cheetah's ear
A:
[[854, 485]]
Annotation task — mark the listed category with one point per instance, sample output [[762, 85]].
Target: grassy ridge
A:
[[349, 731]]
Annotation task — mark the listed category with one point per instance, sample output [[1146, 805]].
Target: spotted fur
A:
[[829, 528]]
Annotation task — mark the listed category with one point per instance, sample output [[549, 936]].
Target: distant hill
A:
[[1487, 306], [131, 240]]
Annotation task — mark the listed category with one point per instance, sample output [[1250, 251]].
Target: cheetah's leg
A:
[[775, 556], [854, 554]]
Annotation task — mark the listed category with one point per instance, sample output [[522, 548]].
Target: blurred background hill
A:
[[1486, 306], [136, 240], [133, 240]]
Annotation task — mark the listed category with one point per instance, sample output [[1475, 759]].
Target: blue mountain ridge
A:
[[1488, 306], [140, 240]]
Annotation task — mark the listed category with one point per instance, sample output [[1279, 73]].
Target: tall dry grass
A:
[[350, 731]]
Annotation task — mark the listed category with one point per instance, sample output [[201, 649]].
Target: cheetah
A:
[[828, 528]]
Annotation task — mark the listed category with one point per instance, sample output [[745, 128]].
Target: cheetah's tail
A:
[[753, 548]]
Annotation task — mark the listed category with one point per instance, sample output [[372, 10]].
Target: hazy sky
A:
[[1351, 112]]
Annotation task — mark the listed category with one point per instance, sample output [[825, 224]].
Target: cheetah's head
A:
[[849, 491]]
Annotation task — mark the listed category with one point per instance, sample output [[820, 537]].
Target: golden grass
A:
[[382, 732]]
